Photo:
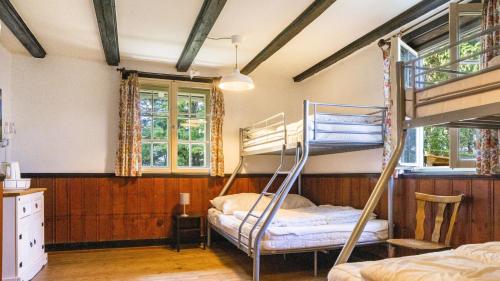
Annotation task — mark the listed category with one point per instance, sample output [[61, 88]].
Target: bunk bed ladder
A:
[[264, 192], [286, 186]]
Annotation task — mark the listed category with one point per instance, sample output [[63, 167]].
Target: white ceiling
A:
[[156, 30]]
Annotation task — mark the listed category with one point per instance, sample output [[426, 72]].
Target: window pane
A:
[[409, 155], [146, 154], [183, 105], [466, 149], [197, 127], [160, 128], [146, 103], [160, 103], [182, 155], [146, 126], [198, 106], [198, 155], [183, 129], [436, 146], [160, 154]]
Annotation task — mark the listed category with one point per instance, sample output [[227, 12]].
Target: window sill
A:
[[442, 172], [177, 172]]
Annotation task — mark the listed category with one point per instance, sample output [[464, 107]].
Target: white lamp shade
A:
[[184, 198], [236, 82]]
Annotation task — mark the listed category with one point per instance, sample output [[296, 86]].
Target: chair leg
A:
[[315, 263], [391, 250]]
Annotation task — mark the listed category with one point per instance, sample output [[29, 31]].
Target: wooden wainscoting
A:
[[107, 208], [101, 208]]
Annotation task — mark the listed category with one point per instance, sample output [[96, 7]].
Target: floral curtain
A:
[[216, 122], [487, 144], [129, 152], [386, 50]]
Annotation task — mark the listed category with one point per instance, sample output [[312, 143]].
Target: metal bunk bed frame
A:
[[485, 116], [303, 149]]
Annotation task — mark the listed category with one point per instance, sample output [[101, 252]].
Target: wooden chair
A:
[[419, 243]]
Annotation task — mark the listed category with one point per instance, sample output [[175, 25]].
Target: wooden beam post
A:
[[304, 19], [15, 23], [106, 20], [205, 20], [413, 13]]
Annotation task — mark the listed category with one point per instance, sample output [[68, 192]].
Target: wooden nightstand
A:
[[192, 224]]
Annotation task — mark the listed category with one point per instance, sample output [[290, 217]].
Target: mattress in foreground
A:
[[468, 262], [300, 236]]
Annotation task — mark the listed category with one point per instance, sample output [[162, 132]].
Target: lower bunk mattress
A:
[[468, 262], [301, 237]]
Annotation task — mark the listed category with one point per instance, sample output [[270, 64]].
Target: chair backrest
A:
[[442, 201]]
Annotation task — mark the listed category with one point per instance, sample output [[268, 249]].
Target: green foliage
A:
[[436, 141]]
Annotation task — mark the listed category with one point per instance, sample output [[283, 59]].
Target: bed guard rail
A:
[[267, 135], [468, 56], [331, 118]]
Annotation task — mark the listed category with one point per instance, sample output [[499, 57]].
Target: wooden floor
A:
[[221, 262]]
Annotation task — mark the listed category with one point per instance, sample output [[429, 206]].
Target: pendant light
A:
[[236, 81]]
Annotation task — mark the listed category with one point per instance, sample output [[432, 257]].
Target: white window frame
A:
[[173, 87], [398, 44]]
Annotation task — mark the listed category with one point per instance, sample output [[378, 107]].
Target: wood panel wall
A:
[[107, 208]]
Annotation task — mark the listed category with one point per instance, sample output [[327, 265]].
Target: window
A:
[[174, 123], [441, 146]]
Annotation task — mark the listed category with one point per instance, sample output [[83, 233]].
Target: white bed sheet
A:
[[468, 262], [285, 238]]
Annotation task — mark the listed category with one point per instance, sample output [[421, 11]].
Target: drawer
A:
[[37, 205], [24, 209]]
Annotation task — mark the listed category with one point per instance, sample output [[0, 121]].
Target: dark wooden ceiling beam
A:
[[15, 23], [106, 20], [416, 11], [205, 20], [304, 19]]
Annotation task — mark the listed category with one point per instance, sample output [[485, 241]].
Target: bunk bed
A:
[[324, 129], [461, 100]]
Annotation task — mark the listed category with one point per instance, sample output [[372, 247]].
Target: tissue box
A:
[[17, 184]]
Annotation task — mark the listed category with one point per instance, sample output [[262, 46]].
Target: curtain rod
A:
[[177, 77], [421, 22]]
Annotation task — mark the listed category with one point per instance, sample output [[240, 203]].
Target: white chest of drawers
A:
[[23, 254]]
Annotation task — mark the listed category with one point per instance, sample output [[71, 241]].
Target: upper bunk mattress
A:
[[468, 262], [483, 83], [330, 129], [303, 236]]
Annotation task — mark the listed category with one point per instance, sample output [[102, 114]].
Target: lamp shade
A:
[[236, 82], [184, 198]]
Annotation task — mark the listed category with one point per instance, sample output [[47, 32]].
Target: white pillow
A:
[[228, 204], [295, 201]]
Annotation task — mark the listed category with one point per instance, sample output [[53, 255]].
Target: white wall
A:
[[66, 113], [66, 110], [5, 85], [357, 79]]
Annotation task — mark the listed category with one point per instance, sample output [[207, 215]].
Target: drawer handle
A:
[[20, 236], [21, 264], [42, 224], [36, 205], [31, 244], [24, 209], [34, 241]]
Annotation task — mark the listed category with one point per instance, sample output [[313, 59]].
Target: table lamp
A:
[[184, 200]]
